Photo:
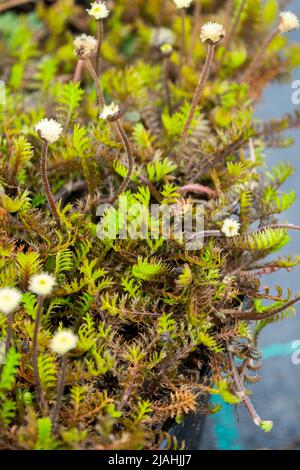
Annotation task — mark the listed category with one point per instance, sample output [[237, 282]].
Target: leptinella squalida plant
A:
[[111, 341]]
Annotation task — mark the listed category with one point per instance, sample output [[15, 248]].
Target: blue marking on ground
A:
[[224, 424]]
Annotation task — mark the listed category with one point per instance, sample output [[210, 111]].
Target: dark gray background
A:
[[277, 395]]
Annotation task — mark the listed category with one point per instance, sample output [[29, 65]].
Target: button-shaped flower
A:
[[49, 130], [63, 341]]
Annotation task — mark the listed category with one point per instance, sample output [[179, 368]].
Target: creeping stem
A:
[[197, 95], [256, 61], [119, 129], [35, 352], [241, 391], [49, 195], [60, 390]]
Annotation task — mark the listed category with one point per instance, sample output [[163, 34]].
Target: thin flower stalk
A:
[[122, 134], [257, 59], [47, 188], [196, 28], [100, 96], [35, 348], [78, 71], [182, 38], [197, 96], [166, 83], [232, 30], [100, 35], [9, 333], [60, 391]]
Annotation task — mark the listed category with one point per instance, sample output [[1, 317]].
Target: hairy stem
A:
[[100, 34], [100, 96], [60, 391], [49, 195], [182, 38], [197, 95], [9, 334], [241, 391], [119, 129], [257, 59], [78, 71], [196, 29], [233, 29], [35, 348]]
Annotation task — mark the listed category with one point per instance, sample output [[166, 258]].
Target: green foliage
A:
[[45, 440], [155, 320], [9, 371], [69, 99], [147, 270]]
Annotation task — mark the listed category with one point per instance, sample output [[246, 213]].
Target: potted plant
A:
[[115, 328]]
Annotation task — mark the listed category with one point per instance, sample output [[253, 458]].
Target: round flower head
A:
[[63, 341], [98, 10], [41, 284], [111, 112], [161, 36], [49, 130], [84, 45], [9, 300], [212, 32], [230, 228], [288, 21], [182, 3], [166, 49]]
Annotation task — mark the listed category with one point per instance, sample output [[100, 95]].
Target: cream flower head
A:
[[182, 3], [49, 130], [212, 32], [230, 228], [288, 21], [110, 112], [84, 45], [9, 300], [63, 341], [41, 284], [98, 10]]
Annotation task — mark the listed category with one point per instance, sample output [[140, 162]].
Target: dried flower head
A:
[[212, 32], [49, 130], [98, 10], [9, 300], [288, 21], [84, 45], [110, 112], [182, 3], [42, 284], [166, 49], [63, 341], [230, 228]]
